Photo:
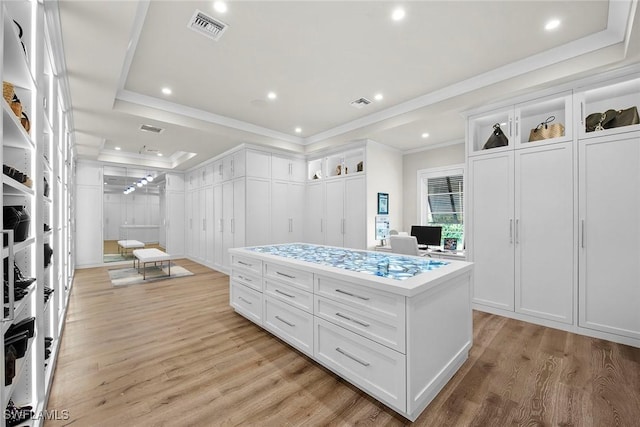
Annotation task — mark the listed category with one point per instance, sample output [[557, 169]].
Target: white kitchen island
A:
[[397, 327]]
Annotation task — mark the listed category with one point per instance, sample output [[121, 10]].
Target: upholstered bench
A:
[[146, 256], [123, 245]]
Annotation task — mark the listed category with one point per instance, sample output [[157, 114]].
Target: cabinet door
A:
[[239, 212], [298, 170], [544, 279], [175, 182], [200, 224], [238, 164], [491, 238], [610, 208], [218, 173], [314, 213], [279, 212], [175, 222], [258, 164], [334, 231], [89, 225], [218, 221], [295, 204], [207, 225], [355, 218], [188, 203], [280, 168], [88, 174], [258, 218], [227, 221]]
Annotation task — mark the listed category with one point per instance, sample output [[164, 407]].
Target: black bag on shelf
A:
[[25, 325], [46, 187], [10, 357], [48, 252], [496, 139], [16, 218], [19, 341]]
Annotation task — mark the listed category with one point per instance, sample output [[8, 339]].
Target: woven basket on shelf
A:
[[7, 92]]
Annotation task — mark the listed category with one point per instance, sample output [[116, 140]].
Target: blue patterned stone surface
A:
[[382, 264]]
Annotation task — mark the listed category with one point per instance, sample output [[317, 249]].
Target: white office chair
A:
[[406, 245]]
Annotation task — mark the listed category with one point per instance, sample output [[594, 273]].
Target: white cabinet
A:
[[204, 230], [174, 223], [233, 217], [314, 213], [622, 93], [287, 211], [544, 232], [88, 174], [174, 182], [288, 169], [89, 225], [258, 164], [517, 122], [258, 200], [609, 295], [520, 233], [345, 213], [192, 213]]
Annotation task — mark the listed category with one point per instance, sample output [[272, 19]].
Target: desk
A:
[[452, 255]]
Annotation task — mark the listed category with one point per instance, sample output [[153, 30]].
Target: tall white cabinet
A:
[[553, 226], [35, 142]]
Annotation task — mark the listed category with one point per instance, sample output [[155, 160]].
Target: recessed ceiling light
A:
[[220, 6], [552, 24], [398, 14], [166, 91], [159, 154], [298, 130], [378, 97], [425, 135], [118, 148], [272, 95]]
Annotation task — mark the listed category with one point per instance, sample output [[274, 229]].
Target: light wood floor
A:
[[173, 353]]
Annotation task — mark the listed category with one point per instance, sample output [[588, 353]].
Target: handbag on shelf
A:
[[612, 119], [545, 130], [24, 120], [7, 92], [496, 139], [16, 218], [16, 106]]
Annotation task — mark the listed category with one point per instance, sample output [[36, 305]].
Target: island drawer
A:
[[368, 299], [246, 301], [290, 324], [292, 276], [375, 368], [383, 329], [251, 280], [290, 294], [246, 263]]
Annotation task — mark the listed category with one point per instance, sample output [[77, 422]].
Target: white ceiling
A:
[[443, 58]]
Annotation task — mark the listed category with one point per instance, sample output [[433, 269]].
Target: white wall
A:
[[384, 175], [412, 163]]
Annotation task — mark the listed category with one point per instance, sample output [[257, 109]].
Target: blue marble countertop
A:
[[381, 264]]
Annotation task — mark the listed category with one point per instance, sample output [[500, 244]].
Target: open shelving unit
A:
[[41, 151]]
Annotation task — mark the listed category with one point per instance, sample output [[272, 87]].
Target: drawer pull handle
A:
[[285, 275], [352, 295], [245, 263], [241, 277], [359, 322], [285, 294], [362, 362], [247, 301], [284, 321]]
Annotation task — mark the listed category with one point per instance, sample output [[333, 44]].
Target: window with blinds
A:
[[441, 204], [444, 200]]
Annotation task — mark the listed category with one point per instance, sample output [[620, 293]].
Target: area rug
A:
[[117, 257], [131, 276]]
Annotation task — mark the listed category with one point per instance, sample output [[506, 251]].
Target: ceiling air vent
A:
[[150, 128], [360, 102], [206, 25]]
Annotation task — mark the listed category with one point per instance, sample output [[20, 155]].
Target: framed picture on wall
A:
[[383, 203]]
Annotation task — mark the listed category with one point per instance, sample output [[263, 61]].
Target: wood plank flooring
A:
[[174, 353]]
